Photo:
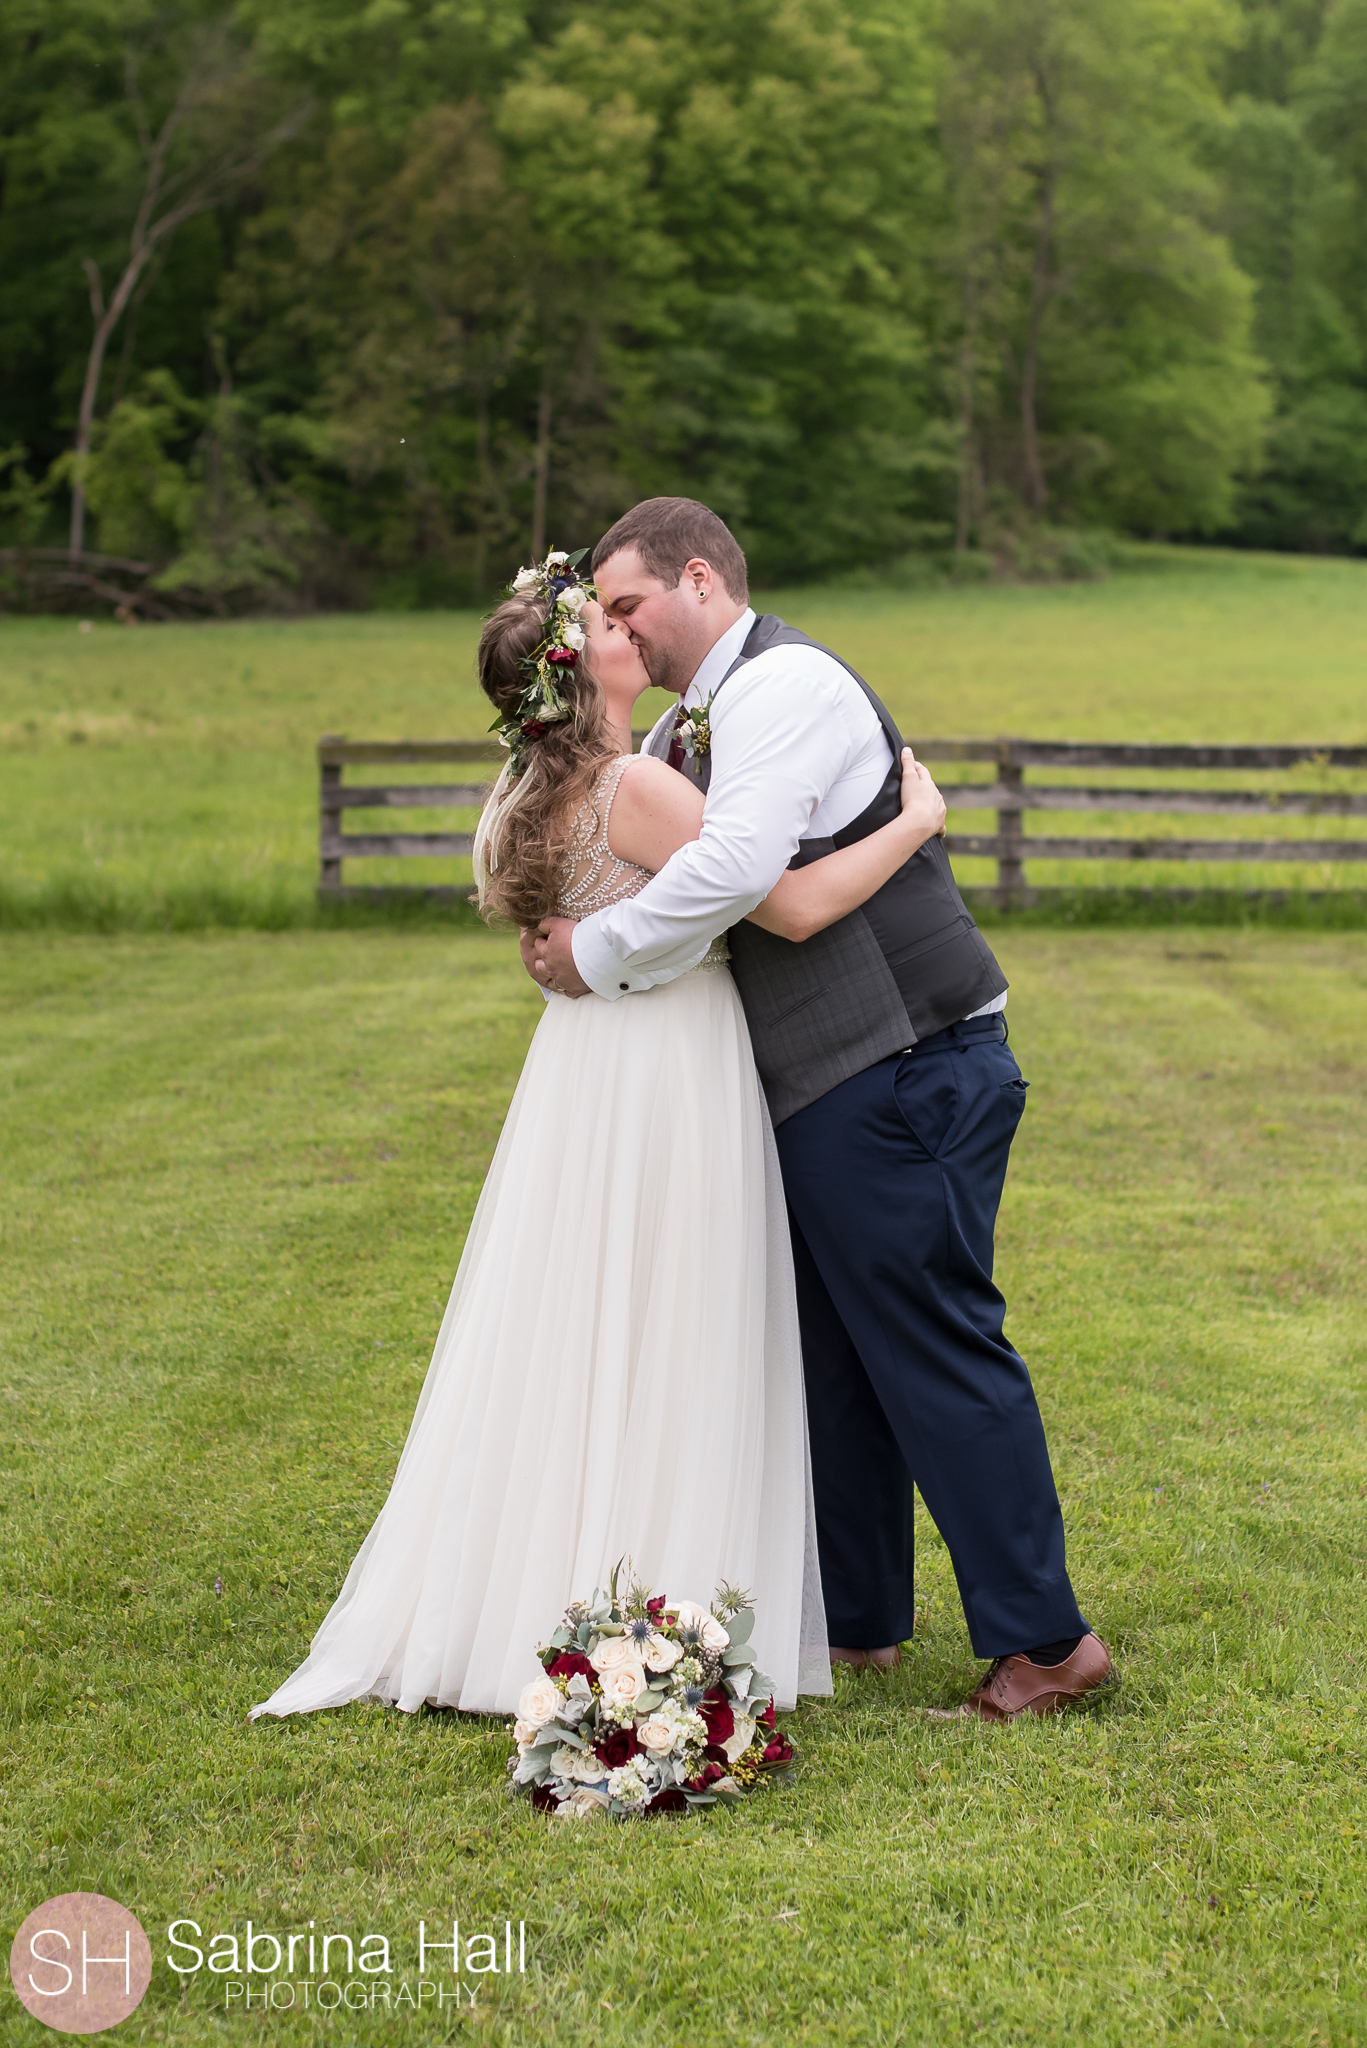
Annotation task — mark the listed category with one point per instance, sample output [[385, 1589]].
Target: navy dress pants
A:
[[893, 1181]]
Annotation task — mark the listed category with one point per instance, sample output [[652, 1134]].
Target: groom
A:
[[881, 1044]]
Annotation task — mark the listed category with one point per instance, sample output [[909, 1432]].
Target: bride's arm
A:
[[657, 810], [804, 901]]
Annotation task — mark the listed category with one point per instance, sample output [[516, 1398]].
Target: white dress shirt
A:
[[797, 753]]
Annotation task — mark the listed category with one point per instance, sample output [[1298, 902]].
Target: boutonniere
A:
[[694, 730]]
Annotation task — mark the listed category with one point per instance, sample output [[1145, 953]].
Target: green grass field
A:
[[164, 776], [239, 1168]]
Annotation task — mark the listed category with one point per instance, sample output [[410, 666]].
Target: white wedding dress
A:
[[617, 1373]]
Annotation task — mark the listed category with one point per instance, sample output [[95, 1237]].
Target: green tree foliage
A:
[[871, 276]]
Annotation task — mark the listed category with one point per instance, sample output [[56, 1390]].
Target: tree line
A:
[[340, 301]]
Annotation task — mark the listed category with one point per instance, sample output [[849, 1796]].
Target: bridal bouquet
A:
[[646, 1707]]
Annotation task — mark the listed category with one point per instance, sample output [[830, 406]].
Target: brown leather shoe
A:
[[1015, 1686], [857, 1658], [886, 1659]]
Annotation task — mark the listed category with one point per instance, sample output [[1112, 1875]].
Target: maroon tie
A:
[[676, 756]]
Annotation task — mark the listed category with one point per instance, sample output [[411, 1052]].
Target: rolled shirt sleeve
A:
[[782, 734]]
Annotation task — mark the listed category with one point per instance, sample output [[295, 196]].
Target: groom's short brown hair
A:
[[667, 532]]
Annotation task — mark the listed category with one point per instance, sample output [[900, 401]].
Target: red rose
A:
[[766, 1719], [656, 1607], [543, 1797], [718, 1717], [534, 728], [671, 1801], [708, 1775], [561, 657], [778, 1750], [618, 1748], [570, 1662]]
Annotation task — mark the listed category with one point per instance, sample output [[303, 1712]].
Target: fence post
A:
[[1011, 835], [329, 819]]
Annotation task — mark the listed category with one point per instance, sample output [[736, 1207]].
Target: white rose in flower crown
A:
[[660, 1654], [573, 635], [538, 1702], [524, 579], [624, 1686], [573, 600], [587, 1803], [613, 1652], [714, 1636]]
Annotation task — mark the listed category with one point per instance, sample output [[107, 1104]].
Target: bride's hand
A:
[[923, 807]]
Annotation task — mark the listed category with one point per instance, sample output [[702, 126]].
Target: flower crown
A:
[[541, 705]]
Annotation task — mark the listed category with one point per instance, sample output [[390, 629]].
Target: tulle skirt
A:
[[617, 1375]]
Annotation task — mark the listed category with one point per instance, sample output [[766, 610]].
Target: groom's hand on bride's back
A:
[[548, 957]]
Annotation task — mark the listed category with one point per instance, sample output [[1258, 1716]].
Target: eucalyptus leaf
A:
[[736, 1654], [740, 1625], [562, 1639], [647, 1702]]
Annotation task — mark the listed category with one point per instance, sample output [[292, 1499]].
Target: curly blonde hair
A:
[[522, 844]]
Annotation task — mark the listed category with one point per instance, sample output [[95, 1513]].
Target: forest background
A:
[[319, 303]]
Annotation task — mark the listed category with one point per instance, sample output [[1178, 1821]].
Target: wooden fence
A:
[[1008, 794]]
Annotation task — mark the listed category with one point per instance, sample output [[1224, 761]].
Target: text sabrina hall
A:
[[320, 1971]]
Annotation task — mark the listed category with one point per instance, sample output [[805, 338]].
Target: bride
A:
[[617, 1372]]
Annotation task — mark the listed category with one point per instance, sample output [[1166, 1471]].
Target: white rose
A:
[[660, 1654], [691, 1615], [624, 1686], [579, 1765], [552, 560], [657, 1734], [724, 1785], [587, 1803], [525, 579], [737, 1744], [539, 1702], [525, 1733], [613, 1652], [714, 1636], [573, 600], [573, 635]]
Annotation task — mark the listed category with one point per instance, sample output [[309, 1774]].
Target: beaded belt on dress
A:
[[717, 955]]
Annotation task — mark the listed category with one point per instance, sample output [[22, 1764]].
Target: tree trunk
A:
[[482, 500], [1041, 287], [543, 465], [963, 521]]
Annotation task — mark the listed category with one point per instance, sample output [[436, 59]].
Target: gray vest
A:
[[907, 963]]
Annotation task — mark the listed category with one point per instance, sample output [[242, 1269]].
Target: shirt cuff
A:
[[599, 965]]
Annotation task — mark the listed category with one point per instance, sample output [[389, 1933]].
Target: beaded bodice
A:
[[593, 875]]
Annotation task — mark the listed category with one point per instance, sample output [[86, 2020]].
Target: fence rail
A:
[[1009, 795]]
